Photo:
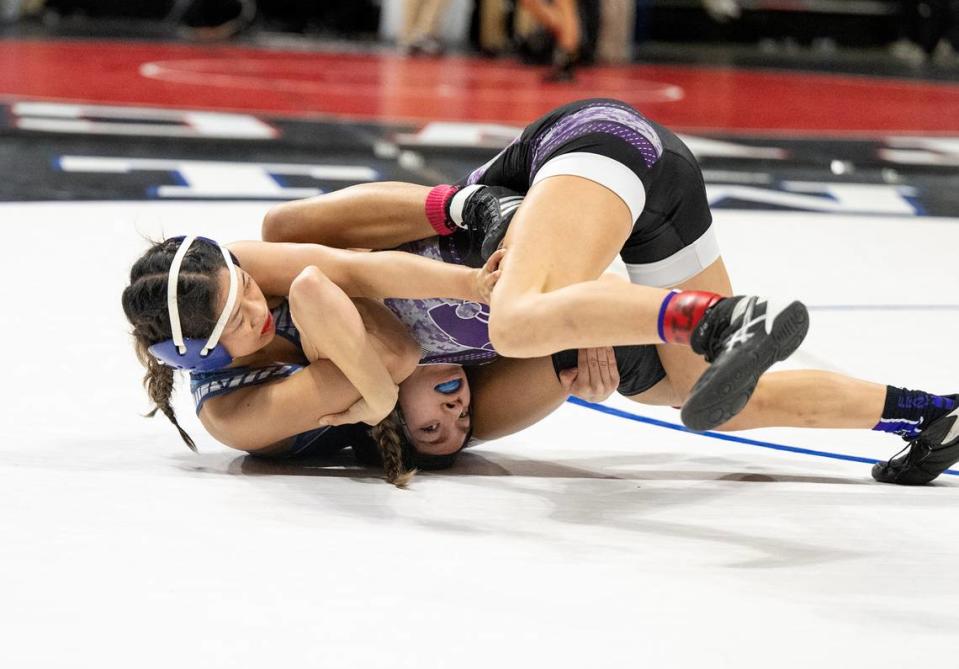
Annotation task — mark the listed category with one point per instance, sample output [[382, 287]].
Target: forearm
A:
[[374, 216], [394, 274], [361, 363], [390, 338], [376, 275], [331, 327]]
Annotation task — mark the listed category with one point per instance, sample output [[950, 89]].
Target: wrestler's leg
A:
[[372, 216], [662, 394], [811, 398], [808, 398], [683, 367], [511, 394], [794, 398], [566, 233]]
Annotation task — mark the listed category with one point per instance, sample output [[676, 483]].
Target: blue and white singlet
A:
[[448, 331]]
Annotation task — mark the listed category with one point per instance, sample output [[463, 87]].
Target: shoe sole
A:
[[722, 391], [884, 473], [927, 468]]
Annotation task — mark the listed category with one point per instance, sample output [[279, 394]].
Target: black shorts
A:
[[645, 164], [639, 367]]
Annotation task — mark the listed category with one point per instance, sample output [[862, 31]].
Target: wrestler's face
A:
[[435, 401], [251, 326]]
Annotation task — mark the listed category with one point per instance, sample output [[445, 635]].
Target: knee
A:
[[512, 330]]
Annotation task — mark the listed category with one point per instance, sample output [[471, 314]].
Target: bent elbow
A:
[[402, 359], [274, 226], [308, 283]]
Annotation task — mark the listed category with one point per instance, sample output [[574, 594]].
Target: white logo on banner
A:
[[827, 197], [222, 180], [138, 121], [933, 151]]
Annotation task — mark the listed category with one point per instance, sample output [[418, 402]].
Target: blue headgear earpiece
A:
[[195, 355]]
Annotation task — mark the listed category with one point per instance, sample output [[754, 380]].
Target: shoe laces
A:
[[918, 450]]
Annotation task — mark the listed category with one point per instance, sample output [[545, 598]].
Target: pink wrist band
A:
[[436, 203]]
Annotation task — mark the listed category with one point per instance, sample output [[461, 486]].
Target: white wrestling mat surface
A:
[[588, 540]]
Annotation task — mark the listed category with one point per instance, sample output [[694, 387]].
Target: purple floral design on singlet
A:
[[466, 323], [448, 331]]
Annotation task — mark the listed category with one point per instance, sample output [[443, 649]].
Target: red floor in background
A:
[[464, 89]]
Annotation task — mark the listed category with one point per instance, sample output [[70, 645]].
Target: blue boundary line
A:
[[602, 408]]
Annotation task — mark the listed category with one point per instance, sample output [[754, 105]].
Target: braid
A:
[[389, 439], [159, 384], [144, 303]]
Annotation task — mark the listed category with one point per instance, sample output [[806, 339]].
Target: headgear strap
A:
[[181, 353]]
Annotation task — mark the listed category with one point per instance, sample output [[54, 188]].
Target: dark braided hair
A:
[[390, 440], [387, 445], [145, 306]]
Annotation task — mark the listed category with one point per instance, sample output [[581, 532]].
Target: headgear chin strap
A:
[[195, 355]]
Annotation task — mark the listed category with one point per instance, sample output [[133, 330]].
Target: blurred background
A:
[[610, 31]]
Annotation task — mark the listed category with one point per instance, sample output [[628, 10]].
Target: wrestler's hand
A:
[[486, 276], [360, 412], [595, 377]]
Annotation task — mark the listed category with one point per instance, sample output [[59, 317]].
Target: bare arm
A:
[[359, 274], [370, 216], [265, 416], [331, 327]]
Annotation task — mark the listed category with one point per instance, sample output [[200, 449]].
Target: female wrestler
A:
[[600, 179], [196, 306], [192, 308], [584, 167]]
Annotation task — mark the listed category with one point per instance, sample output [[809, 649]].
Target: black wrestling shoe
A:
[[932, 452], [487, 213], [742, 337]]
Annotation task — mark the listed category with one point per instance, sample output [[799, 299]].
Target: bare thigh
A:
[[567, 230]]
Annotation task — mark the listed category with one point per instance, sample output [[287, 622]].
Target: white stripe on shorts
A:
[[601, 169], [681, 266]]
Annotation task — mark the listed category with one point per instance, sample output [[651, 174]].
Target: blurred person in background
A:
[[421, 25], [928, 28], [561, 18], [616, 31], [490, 26], [606, 34]]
